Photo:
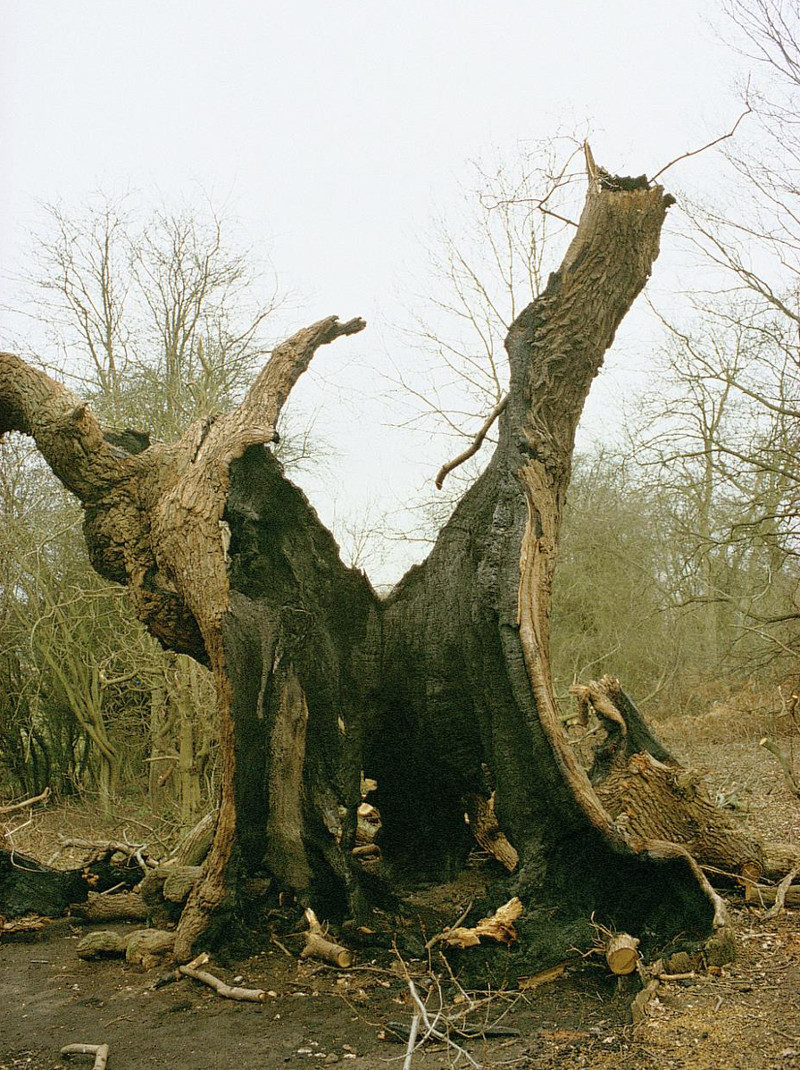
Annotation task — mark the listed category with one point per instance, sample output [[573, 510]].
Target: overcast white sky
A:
[[334, 131]]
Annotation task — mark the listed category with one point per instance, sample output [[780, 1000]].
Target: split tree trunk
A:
[[317, 679]]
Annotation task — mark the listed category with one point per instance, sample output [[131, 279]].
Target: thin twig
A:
[[780, 895], [555, 215], [710, 145], [439, 936], [412, 1041], [431, 1026], [283, 947]]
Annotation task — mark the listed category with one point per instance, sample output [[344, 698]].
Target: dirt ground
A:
[[746, 1019]]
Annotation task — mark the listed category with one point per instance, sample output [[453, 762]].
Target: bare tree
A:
[[158, 320]]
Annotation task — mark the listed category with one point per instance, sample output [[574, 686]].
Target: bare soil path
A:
[[746, 1019]]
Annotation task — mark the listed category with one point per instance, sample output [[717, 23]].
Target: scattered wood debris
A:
[[318, 946], [544, 977], [367, 850], [31, 923], [499, 927], [104, 850]]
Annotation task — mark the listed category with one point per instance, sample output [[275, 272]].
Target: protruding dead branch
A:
[[486, 830], [709, 145], [474, 446], [783, 761], [13, 808]]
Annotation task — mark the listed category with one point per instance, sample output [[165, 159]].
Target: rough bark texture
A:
[[646, 791], [317, 679], [121, 906]]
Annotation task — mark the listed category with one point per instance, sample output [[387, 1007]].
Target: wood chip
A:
[[542, 978], [499, 927]]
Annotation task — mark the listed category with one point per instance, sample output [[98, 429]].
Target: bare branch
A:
[[474, 446], [710, 145]]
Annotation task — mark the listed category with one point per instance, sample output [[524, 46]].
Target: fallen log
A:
[[149, 947], [780, 858], [767, 895], [102, 944], [30, 887], [621, 953], [123, 906]]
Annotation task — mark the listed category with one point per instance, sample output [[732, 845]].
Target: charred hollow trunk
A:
[[302, 648], [439, 692]]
